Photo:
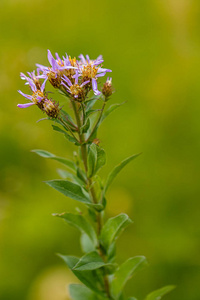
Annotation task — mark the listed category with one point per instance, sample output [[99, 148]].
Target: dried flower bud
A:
[[107, 89]]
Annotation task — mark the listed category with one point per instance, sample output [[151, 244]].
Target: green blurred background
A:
[[153, 48]]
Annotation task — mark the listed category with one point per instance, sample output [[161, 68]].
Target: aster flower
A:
[[37, 95], [89, 70], [33, 77], [40, 99], [77, 91], [58, 68]]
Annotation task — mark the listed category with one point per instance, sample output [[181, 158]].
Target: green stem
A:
[[97, 123], [68, 127], [90, 184]]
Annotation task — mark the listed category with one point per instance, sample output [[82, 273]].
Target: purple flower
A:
[[57, 65], [77, 91], [89, 70], [37, 95]]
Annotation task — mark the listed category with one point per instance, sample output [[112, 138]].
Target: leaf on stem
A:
[[112, 229], [125, 272], [70, 189], [90, 261], [117, 169], [96, 159], [89, 278], [158, 294], [62, 160], [85, 126], [80, 223], [68, 175]]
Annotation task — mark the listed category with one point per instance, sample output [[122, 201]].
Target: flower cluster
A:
[[74, 77]]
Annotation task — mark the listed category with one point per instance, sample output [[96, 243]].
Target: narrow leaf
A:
[[125, 272], [117, 169], [89, 278], [70, 189], [86, 126], [158, 294], [112, 229], [56, 128], [62, 160], [92, 159], [96, 159], [81, 223], [90, 261], [68, 175]]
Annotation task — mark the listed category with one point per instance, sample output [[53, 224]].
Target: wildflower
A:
[[78, 92], [58, 68], [107, 89], [89, 70], [33, 77], [39, 98]]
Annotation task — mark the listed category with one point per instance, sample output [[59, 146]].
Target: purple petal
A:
[[26, 96], [32, 85], [88, 58], [103, 70], [94, 87], [82, 58], [43, 85], [98, 62], [101, 74], [76, 77], [50, 57], [25, 105], [66, 79], [85, 82], [65, 86]]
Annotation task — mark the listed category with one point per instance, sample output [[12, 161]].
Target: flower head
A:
[[59, 67], [89, 70], [76, 90], [39, 98]]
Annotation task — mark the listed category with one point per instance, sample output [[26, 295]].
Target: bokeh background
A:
[[153, 48]]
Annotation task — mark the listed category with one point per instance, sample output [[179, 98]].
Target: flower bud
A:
[[51, 108], [107, 89]]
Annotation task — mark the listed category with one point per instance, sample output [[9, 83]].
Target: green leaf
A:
[[56, 128], [101, 159], [111, 109], [71, 139], [92, 158], [117, 169], [112, 229], [89, 278], [86, 126], [70, 189], [81, 223], [86, 244], [158, 294], [80, 292], [96, 159], [62, 160], [68, 175], [90, 261], [131, 298], [125, 272]]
